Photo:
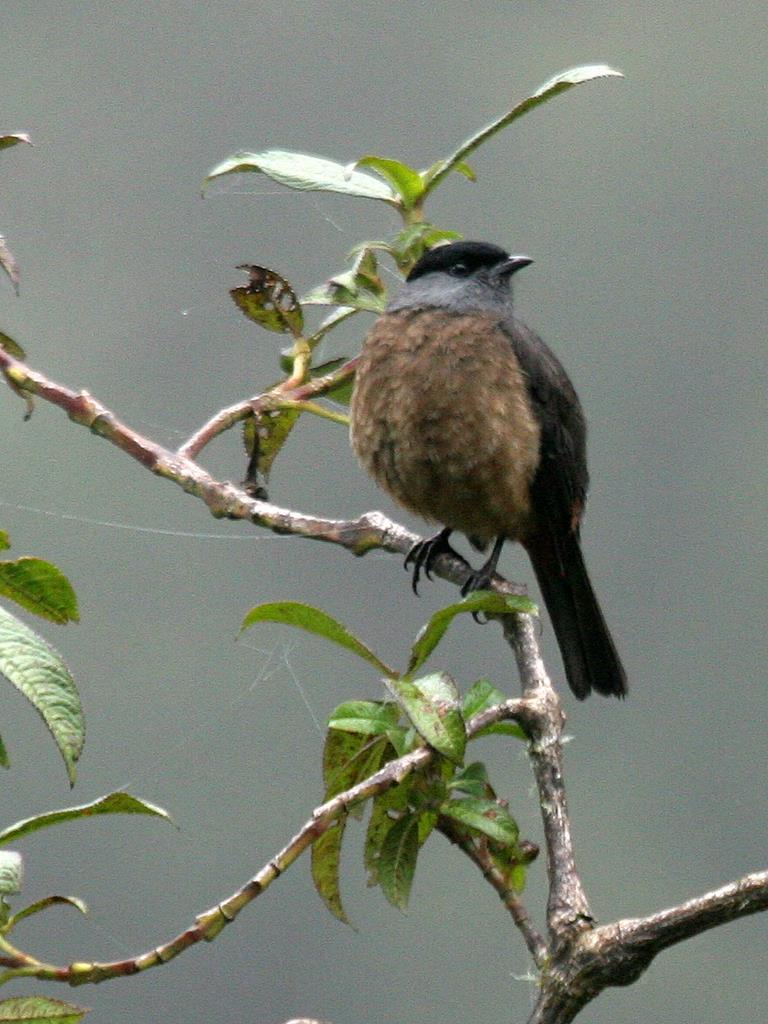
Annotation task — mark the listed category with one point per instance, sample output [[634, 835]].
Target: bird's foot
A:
[[478, 579], [424, 553]]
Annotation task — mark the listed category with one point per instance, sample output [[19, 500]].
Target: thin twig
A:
[[227, 418], [210, 923], [479, 855]]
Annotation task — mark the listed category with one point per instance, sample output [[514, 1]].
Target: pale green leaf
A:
[[9, 264], [481, 696], [305, 173], [112, 803], [314, 620], [39, 1010], [334, 318], [44, 904], [38, 671], [553, 87], [432, 705], [11, 872]]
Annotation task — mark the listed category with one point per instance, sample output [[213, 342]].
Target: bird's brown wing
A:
[[559, 488]]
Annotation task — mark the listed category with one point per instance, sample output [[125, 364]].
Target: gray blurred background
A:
[[643, 205]]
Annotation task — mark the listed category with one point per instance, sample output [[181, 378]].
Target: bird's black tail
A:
[[589, 655]]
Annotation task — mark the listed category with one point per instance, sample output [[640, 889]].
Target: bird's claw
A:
[[424, 553]]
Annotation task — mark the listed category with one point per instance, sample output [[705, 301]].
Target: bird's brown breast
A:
[[441, 418]]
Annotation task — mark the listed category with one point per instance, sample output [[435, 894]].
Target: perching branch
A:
[[579, 959]]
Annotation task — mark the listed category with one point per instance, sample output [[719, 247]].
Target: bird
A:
[[468, 419]]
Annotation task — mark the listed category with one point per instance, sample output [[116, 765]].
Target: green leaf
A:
[[348, 758], [432, 705], [479, 601], [481, 696], [334, 318], [553, 87], [387, 808], [360, 287], [427, 822], [112, 803], [342, 392], [44, 904], [313, 620], [269, 300], [5, 540], [405, 180], [472, 780], [13, 139], [461, 168], [397, 860], [40, 587], [39, 1010], [414, 241], [326, 859], [322, 369], [12, 347], [11, 872], [368, 717], [502, 729], [4, 759], [264, 439], [38, 671], [335, 292], [305, 173], [486, 816]]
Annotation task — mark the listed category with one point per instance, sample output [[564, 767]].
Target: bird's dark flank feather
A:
[[467, 418]]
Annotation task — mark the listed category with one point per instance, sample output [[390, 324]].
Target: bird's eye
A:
[[459, 270]]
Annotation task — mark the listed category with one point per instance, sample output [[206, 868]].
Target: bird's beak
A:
[[512, 264]]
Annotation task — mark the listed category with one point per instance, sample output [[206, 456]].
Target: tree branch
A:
[[479, 855], [644, 937], [542, 718], [580, 959], [233, 414], [224, 500], [211, 922]]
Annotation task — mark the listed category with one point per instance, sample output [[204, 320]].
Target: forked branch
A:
[[579, 958]]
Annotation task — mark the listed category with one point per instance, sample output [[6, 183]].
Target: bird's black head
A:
[[461, 276], [459, 259]]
